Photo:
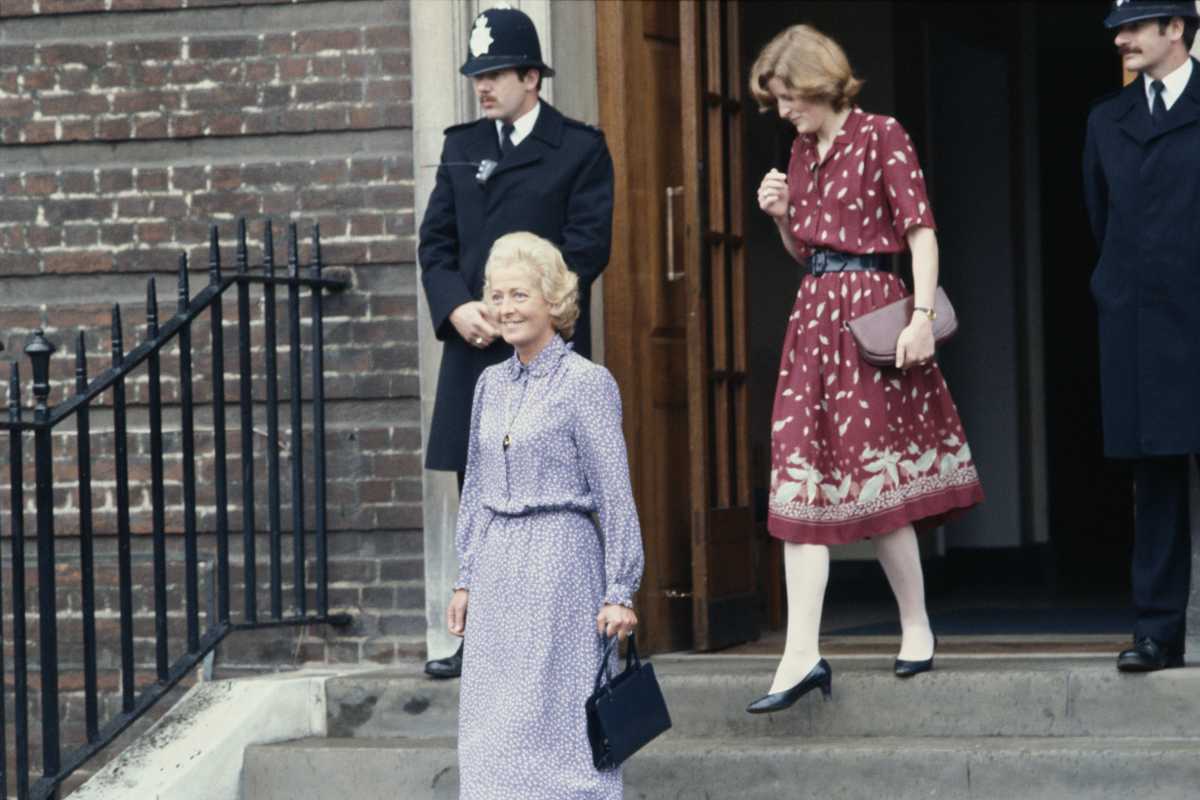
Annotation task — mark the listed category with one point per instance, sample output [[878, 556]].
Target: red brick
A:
[[187, 126], [145, 5], [74, 104], [388, 37], [150, 128], [330, 67], [38, 79], [73, 131], [79, 183], [153, 232], [225, 47], [291, 69], [277, 44], [41, 184], [75, 80], [77, 262], [16, 8], [320, 41], [15, 107], [259, 72], [225, 98], [59, 54], [137, 101], [15, 55], [70, 6], [113, 129], [152, 180], [161, 50], [388, 91], [188, 178]]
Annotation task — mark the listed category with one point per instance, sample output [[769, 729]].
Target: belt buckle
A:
[[818, 262]]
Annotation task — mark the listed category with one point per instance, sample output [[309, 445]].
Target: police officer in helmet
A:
[[522, 166]]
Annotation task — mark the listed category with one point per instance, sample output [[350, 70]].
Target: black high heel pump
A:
[[819, 676], [906, 669]]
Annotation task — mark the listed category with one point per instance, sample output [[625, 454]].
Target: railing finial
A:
[[39, 351], [14, 392], [293, 252], [243, 256], [316, 253], [80, 363], [184, 292], [151, 309], [214, 255], [268, 249], [118, 349]]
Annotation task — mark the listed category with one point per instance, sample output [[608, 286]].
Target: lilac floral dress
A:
[[539, 568]]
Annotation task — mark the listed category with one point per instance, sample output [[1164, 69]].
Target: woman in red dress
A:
[[856, 451]]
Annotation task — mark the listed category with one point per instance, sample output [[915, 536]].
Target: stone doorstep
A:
[[707, 696], [967, 768]]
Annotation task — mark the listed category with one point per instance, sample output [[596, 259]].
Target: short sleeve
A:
[[904, 181]]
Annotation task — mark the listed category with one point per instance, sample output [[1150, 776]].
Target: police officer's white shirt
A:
[[522, 125], [1173, 85]]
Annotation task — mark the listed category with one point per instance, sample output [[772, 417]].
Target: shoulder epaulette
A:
[[583, 126], [460, 126]]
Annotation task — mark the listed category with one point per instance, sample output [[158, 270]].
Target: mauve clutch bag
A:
[[876, 332]]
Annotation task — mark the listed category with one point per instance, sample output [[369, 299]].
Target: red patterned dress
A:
[[856, 450]]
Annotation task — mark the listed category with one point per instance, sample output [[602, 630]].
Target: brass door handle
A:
[[672, 193]]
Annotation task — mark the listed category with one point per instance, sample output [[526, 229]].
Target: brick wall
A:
[[126, 127]]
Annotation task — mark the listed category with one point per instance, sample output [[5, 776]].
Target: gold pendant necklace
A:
[[513, 419]]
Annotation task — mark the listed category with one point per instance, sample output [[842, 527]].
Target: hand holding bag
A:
[[626, 712], [876, 332]]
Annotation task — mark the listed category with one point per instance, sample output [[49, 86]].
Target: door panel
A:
[[724, 609], [644, 308]]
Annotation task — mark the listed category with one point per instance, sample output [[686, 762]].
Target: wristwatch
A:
[[929, 313]]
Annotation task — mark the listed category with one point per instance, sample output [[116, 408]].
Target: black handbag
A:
[[626, 712]]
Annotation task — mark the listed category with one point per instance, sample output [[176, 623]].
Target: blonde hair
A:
[[543, 262], [810, 64]]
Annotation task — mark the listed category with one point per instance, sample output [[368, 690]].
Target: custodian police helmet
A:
[[503, 38], [1124, 11]]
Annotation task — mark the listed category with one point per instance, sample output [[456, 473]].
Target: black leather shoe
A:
[[906, 669], [1147, 655], [448, 667], [821, 675]]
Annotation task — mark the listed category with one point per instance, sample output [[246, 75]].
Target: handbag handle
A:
[[631, 659]]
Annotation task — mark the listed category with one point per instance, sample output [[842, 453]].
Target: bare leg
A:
[[807, 570], [901, 560]]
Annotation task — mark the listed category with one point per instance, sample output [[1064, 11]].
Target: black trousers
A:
[[1162, 550]]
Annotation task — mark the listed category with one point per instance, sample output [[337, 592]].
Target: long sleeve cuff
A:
[[619, 595]]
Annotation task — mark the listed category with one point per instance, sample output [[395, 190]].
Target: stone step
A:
[[768, 768], [964, 696]]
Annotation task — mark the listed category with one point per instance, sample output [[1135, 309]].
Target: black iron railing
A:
[[56, 765]]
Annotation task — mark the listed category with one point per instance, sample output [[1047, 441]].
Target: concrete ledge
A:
[[766, 769], [195, 751], [962, 697]]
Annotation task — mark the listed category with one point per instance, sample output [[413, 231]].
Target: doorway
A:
[[995, 96]]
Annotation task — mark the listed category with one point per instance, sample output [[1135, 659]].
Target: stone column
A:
[[442, 97]]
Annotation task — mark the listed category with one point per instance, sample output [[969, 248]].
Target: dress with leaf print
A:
[[858, 450]]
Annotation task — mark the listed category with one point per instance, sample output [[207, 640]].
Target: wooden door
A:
[[645, 300], [725, 601]]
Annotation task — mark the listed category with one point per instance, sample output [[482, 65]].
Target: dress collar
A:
[[543, 363], [845, 135]]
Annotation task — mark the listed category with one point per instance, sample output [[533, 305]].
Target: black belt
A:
[[822, 261]]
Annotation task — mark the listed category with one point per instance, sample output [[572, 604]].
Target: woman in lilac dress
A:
[[539, 581]]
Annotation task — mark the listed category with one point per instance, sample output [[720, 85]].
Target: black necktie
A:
[[506, 142], [1158, 109]]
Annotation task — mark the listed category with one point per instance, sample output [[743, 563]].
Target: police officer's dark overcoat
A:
[[557, 183], [1142, 187]]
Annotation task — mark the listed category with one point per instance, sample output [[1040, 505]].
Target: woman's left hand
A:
[[915, 345], [616, 620]]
